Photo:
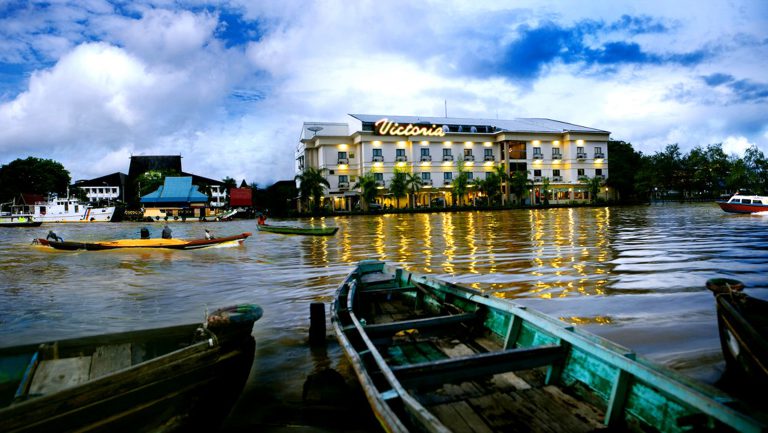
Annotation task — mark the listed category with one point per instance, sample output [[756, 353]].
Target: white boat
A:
[[64, 210]]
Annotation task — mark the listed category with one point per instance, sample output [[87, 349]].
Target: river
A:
[[634, 275]]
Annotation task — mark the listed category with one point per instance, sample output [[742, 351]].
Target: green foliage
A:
[[593, 186], [414, 183], [460, 184], [34, 176], [311, 184], [519, 184], [368, 190], [545, 190], [398, 185]]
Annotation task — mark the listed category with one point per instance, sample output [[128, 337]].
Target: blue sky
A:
[[227, 84]]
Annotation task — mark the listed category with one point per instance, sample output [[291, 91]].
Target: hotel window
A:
[[580, 172], [470, 176], [377, 155], [468, 155], [556, 153], [488, 154], [400, 155], [580, 154], [343, 179], [599, 173], [537, 153], [556, 173], [599, 152], [343, 158], [447, 152], [448, 176], [425, 175], [537, 173], [379, 178], [424, 151]]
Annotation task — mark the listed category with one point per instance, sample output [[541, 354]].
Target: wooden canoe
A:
[[176, 244], [159, 380], [292, 230], [743, 326], [433, 356]]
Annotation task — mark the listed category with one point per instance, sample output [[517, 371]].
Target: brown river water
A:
[[634, 275]]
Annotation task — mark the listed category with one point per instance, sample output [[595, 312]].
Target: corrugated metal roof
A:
[[532, 124], [174, 190]]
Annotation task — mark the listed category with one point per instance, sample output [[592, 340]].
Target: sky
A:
[[228, 84]]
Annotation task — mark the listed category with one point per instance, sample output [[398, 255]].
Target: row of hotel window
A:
[[426, 177], [378, 156]]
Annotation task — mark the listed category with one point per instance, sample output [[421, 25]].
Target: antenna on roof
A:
[[315, 130]]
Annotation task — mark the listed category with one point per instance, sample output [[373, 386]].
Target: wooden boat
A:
[[433, 356], [744, 204], [742, 321], [176, 244], [293, 230], [168, 379]]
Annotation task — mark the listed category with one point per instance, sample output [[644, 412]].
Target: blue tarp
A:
[[176, 190]]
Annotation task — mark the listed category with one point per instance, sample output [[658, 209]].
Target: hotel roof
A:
[[533, 124]]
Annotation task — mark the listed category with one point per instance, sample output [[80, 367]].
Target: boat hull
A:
[[190, 384], [306, 231], [741, 207], [435, 356], [175, 244]]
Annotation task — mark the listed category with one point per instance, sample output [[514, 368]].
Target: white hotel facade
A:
[[562, 153]]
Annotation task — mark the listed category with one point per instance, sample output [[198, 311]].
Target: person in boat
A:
[[208, 235], [54, 236], [144, 233], [166, 232], [262, 220]]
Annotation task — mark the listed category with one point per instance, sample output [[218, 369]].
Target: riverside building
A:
[[558, 157]]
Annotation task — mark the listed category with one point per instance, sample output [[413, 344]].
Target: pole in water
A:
[[316, 324]]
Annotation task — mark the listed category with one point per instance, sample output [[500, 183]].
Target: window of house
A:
[[343, 178], [446, 152], [555, 152], [537, 151], [580, 171], [555, 172], [424, 151], [377, 152], [378, 177], [467, 152], [488, 152], [425, 175], [470, 175], [537, 173], [598, 151], [598, 172], [399, 152], [342, 155], [579, 149], [448, 175]]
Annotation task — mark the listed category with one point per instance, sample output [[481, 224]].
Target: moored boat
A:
[[742, 322], [744, 204], [10, 219], [63, 210], [438, 357], [175, 244], [294, 230], [179, 378]]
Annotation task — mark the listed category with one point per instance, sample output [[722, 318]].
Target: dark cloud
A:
[[715, 80], [535, 48], [743, 90]]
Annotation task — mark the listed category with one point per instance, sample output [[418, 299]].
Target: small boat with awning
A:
[[294, 230], [174, 244], [739, 203], [178, 378], [434, 356]]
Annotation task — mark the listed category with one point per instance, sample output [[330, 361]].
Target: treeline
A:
[[704, 172]]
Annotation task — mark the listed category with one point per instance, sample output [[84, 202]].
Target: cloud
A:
[[743, 90], [736, 145]]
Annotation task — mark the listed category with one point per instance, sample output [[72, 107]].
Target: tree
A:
[[503, 178], [398, 185], [623, 169], [368, 190], [545, 190], [460, 184], [593, 185], [32, 175], [520, 184], [414, 183], [311, 183]]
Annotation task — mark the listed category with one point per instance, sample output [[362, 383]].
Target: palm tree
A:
[[367, 185], [545, 189], [311, 182], [413, 182], [503, 178], [520, 184], [593, 185], [460, 184], [398, 186]]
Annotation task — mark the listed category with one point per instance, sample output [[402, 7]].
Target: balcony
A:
[[599, 155], [447, 157], [537, 178], [582, 177], [557, 156], [557, 178], [343, 161], [343, 185], [401, 158], [581, 156], [469, 157], [377, 158], [426, 182], [426, 158], [448, 182], [538, 156], [380, 183], [489, 158]]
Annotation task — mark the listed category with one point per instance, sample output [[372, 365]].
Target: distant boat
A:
[[179, 378], [744, 204], [63, 210], [293, 230], [175, 244], [9, 219], [434, 356], [742, 321]]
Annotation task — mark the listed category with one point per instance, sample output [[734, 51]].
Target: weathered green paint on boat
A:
[[180, 378], [292, 230], [412, 388]]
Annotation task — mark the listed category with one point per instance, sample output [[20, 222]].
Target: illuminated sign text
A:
[[385, 127]]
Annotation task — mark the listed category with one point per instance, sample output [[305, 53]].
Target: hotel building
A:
[[560, 153]]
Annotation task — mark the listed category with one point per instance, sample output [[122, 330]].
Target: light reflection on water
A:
[[633, 274]]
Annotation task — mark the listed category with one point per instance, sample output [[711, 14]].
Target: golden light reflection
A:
[[470, 243], [450, 243], [597, 320], [379, 242], [425, 222]]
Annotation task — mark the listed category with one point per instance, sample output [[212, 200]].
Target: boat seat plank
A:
[[376, 278], [107, 359], [461, 417], [483, 364], [384, 328], [56, 374]]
